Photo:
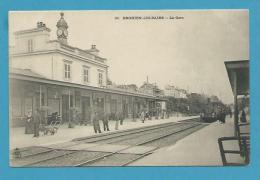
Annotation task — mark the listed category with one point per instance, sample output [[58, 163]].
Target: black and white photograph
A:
[[129, 88]]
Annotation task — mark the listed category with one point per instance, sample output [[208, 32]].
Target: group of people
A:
[[147, 115], [118, 117], [33, 121], [222, 116]]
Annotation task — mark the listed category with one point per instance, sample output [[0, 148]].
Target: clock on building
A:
[[59, 32], [62, 32], [65, 32]]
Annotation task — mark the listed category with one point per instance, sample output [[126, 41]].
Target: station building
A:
[[57, 78]]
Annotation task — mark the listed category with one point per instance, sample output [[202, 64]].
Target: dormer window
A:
[[30, 45]]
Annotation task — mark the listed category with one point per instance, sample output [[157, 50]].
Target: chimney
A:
[[93, 46], [40, 25], [94, 50]]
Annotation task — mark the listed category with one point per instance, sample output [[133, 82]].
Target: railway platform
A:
[[19, 140], [198, 149]]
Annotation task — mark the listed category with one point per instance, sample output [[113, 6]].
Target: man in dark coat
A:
[[96, 123], [222, 116], [105, 120], [243, 116], [121, 118], [29, 123], [36, 123]]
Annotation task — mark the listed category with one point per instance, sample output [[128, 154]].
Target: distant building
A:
[[175, 92], [130, 87], [151, 88], [214, 99]]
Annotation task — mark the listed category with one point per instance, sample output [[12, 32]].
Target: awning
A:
[[38, 79], [238, 71], [238, 74]]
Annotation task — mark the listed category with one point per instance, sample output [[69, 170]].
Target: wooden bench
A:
[[243, 140]]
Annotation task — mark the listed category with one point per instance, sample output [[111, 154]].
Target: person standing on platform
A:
[[96, 123], [117, 121], [121, 118], [36, 123], [142, 116], [223, 115], [243, 116], [29, 123], [105, 120]]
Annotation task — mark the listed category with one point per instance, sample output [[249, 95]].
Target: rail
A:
[[109, 138]]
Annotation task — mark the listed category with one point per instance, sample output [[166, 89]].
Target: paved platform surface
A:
[[198, 149], [18, 139]]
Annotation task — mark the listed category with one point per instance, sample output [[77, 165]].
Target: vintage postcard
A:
[[129, 88]]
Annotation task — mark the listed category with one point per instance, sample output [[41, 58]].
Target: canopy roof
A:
[[28, 75], [240, 71]]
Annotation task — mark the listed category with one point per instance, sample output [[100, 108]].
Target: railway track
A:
[[35, 150], [92, 161], [60, 155]]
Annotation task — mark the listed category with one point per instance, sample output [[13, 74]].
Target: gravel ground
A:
[[34, 159], [114, 160], [62, 145], [32, 150], [137, 135], [192, 120], [142, 138], [70, 159], [172, 139], [120, 134]]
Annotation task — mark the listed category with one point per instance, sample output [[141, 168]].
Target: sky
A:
[[188, 51]]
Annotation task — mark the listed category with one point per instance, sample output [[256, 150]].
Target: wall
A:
[[39, 38], [41, 64], [77, 70]]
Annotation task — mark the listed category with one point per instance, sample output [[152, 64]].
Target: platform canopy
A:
[[238, 74]]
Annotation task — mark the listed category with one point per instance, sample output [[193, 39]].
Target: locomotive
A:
[[212, 112]]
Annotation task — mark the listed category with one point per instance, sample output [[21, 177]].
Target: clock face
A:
[[65, 32], [59, 32]]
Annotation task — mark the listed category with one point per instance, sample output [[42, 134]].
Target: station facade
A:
[[58, 78]]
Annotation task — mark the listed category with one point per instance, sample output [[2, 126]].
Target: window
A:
[[100, 78], [67, 71], [85, 74], [30, 45]]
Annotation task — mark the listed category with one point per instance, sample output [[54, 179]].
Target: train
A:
[[213, 112]]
